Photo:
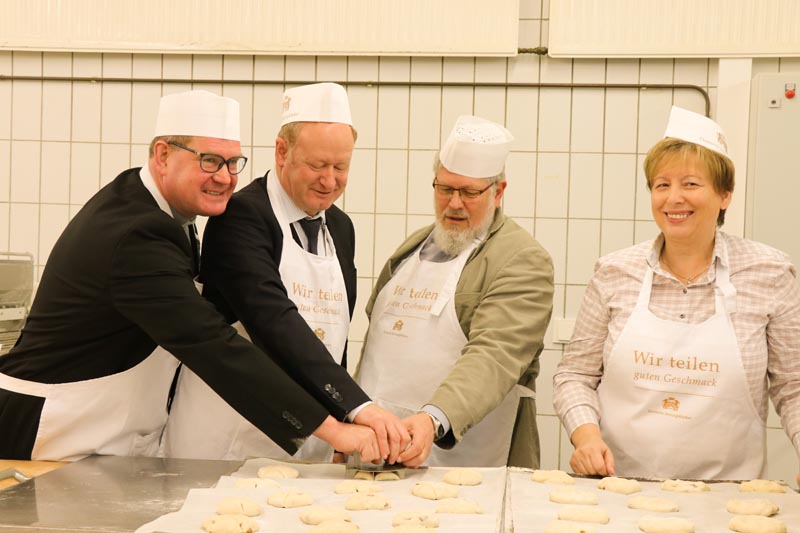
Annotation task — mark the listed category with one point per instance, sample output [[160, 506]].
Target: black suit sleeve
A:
[[151, 285], [241, 251]]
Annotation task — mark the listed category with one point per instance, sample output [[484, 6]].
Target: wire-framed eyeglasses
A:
[[446, 191], [214, 162]]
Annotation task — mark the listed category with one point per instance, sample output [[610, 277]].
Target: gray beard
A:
[[453, 242]]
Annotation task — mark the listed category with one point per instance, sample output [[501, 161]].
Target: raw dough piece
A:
[[351, 486], [432, 490], [584, 513], [366, 476], [257, 483], [562, 526], [387, 476], [463, 476], [678, 485], [761, 485], [278, 471], [419, 518], [335, 526], [367, 502], [756, 524], [458, 506], [758, 506], [620, 485], [410, 528], [290, 497], [661, 524], [322, 513], [229, 523], [234, 505], [654, 505], [573, 496], [558, 477]]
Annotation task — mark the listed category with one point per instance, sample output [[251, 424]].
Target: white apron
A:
[[414, 341], [202, 425], [674, 399]]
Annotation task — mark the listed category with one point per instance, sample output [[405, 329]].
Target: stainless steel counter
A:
[[105, 494]]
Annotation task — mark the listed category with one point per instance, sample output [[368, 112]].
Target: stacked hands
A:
[[378, 435]]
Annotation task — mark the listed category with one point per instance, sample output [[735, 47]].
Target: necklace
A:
[[689, 279]]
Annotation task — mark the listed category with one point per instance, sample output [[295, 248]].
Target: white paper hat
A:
[[198, 113], [318, 102], [476, 148], [696, 128]]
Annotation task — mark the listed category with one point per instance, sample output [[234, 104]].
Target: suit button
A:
[[337, 397], [298, 425], [329, 388], [286, 415]]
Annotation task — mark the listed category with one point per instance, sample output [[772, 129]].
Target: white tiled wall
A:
[[575, 178]]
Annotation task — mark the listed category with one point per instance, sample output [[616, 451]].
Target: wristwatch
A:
[[438, 429]]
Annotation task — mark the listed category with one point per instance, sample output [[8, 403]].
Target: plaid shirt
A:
[[766, 322]]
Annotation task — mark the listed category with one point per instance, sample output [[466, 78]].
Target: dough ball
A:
[[257, 483], [458, 506], [234, 505], [762, 485], [620, 485], [278, 471], [229, 523], [367, 502], [557, 477], [573, 496], [654, 505], [289, 498], [584, 513], [662, 524], [759, 507], [387, 476], [432, 490], [417, 518], [678, 485], [335, 526], [756, 524], [366, 476], [463, 476], [322, 513], [410, 528], [561, 526], [351, 486]]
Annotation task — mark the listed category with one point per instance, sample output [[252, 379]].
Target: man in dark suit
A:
[[85, 376], [280, 261]]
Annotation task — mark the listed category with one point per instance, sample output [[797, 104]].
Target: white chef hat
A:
[[696, 128], [318, 102], [476, 148], [200, 114]]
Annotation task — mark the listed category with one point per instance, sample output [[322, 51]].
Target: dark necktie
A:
[[311, 229], [195, 247]]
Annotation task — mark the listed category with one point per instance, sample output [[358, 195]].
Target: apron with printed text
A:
[[414, 342], [201, 424], [674, 399]]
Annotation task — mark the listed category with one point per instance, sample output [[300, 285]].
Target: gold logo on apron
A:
[[670, 403], [320, 333], [398, 326]]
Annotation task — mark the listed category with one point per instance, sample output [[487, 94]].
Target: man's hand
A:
[[391, 433], [592, 455], [349, 438], [420, 426]]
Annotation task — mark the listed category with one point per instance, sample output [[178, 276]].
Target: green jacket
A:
[[504, 299]]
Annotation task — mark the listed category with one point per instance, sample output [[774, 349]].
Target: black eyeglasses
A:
[[466, 194], [214, 162]]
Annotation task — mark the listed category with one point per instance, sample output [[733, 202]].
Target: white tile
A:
[[237, 67], [615, 235], [26, 63], [545, 10], [656, 70], [5, 226], [177, 66], [359, 323], [548, 360], [267, 114], [362, 68], [713, 72], [619, 185], [261, 159], [589, 70], [690, 99], [643, 210], [490, 69], [552, 234], [6, 63], [269, 68], [552, 185], [525, 223], [85, 172], [5, 172], [789, 64], [364, 109], [173, 88], [86, 101], [644, 231], [583, 249], [301, 68], [424, 122], [456, 101], [781, 457], [5, 109], [654, 108], [393, 117], [549, 429], [530, 32], [691, 71], [621, 120], [573, 299], [144, 107], [57, 64], [244, 95], [490, 103], [457, 69], [73, 210], [587, 120], [364, 225], [389, 234], [24, 226], [556, 70], [116, 113], [416, 222], [26, 113], [394, 69], [57, 111], [147, 66], [25, 170], [522, 113], [55, 172], [332, 68], [519, 198], [54, 219], [426, 69], [207, 67], [114, 159], [586, 171], [360, 194], [523, 69], [530, 9], [554, 120], [392, 181], [420, 177], [89, 65], [622, 71], [117, 65]]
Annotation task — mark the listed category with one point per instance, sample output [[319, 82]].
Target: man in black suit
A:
[[280, 261], [85, 376]]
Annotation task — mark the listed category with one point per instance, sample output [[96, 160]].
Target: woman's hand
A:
[[592, 455]]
